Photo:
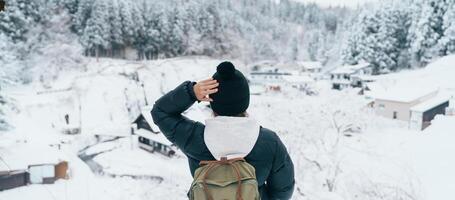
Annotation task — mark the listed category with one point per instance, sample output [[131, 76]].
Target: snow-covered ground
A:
[[340, 149]]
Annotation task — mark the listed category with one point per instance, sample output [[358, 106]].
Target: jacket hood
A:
[[230, 137]]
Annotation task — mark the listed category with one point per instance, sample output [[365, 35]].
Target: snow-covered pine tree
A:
[[192, 37], [70, 5], [350, 53], [13, 21], [447, 42], [115, 23], [428, 30], [380, 38], [80, 17], [8, 73], [95, 37], [175, 32], [138, 28], [155, 22]]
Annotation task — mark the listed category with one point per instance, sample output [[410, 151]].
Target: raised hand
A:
[[202, 89]]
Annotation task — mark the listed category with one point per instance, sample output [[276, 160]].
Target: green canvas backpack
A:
[[232, 179]]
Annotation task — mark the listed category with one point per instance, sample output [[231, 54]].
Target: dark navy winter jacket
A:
[[274, 168]]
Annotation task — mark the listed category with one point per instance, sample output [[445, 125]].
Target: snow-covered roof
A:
[[311, 64], [349, 69], [431, 103], [365, 77], [145, 111], [405, 93], [160, 138], [20, 156], [298, 79], [438, 74]]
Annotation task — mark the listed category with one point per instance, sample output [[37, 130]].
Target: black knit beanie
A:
[[233, 96]]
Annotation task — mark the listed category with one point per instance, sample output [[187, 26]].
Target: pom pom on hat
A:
[[226, 70]]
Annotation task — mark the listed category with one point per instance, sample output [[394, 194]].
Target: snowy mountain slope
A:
[[340, 149], [437, 75]]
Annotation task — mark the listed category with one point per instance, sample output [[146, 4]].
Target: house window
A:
[[395, 114], [381, 106]]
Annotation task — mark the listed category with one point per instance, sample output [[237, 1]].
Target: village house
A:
[[274, 79], [311, 67], [149, 137], [20, 167], [268, 75], [343, 77], [257, 66], [417, 106]]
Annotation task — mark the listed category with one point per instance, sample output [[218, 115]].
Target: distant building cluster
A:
[[271, 76], [351, 76]]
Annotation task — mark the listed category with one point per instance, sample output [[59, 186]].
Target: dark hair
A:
[[242, 114]]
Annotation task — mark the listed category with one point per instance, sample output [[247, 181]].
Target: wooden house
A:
[[149, 138]]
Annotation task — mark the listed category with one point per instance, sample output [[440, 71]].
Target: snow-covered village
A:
[[97, 98]]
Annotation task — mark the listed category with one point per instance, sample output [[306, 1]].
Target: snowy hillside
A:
[[340, 149]]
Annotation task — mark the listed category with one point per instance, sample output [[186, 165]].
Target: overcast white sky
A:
[[350, 3]]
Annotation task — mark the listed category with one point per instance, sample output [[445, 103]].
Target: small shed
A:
[[42, 173], [149, 138], [22, 165], [12, 179], [423, 113]]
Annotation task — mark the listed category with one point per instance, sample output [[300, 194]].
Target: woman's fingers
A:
[[211, 86], [207, 81], [207, 92], [206, 87]]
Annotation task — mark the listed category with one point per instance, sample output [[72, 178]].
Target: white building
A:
[[342, 77], [268, 75], [416, 105], [311, 67]]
